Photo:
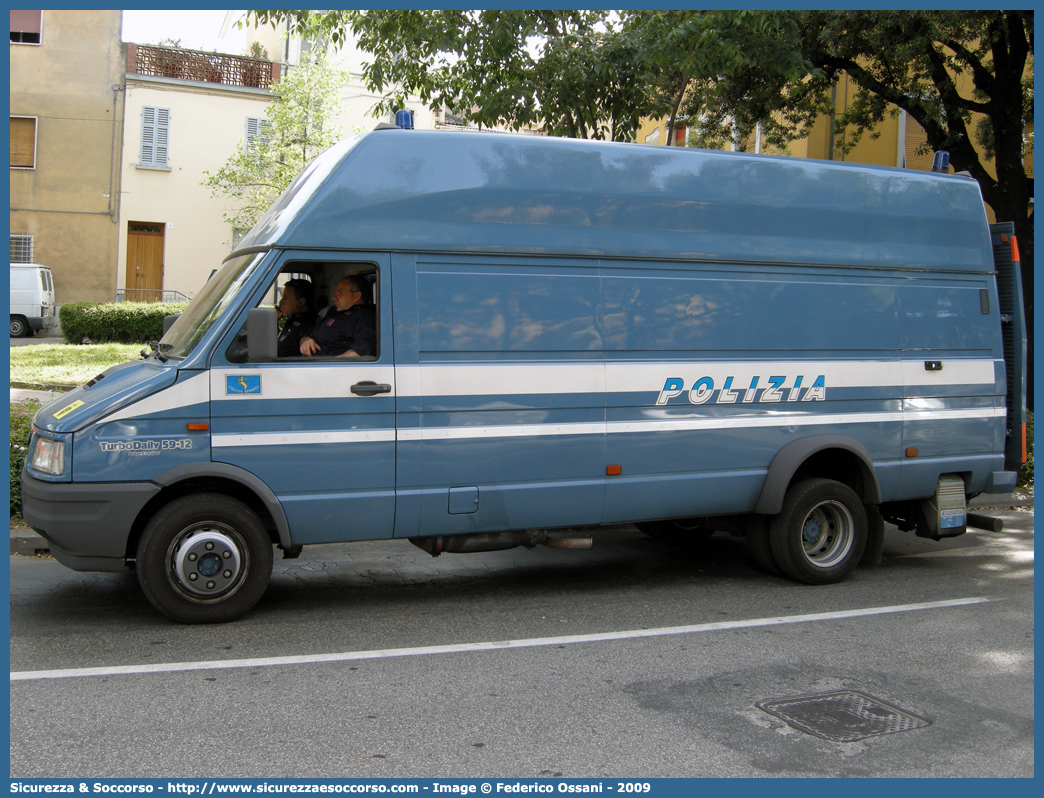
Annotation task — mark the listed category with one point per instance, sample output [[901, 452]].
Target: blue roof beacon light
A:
[[942, 162], [404, 119]]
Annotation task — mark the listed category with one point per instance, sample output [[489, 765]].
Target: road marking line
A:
[[460, 648]]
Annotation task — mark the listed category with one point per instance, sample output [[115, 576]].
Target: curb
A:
[[28, 543], [42, 386]]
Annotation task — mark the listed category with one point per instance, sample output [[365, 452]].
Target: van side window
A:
[[324, 310]]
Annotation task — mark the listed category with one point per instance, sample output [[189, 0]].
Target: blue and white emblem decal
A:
[[245, 384]]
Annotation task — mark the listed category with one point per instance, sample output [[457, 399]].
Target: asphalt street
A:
[[635, 658]]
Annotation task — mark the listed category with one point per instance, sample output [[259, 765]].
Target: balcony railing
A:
[[230, 70], [149, 295]]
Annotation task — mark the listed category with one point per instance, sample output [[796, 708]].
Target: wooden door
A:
[[144, 262]]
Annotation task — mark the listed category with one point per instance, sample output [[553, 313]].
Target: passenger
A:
[[352, 330], [297, 306]]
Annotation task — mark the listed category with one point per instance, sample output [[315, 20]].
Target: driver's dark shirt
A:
[[297, 326], [355, 328]]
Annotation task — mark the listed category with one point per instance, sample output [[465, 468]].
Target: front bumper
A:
[[86, 525]]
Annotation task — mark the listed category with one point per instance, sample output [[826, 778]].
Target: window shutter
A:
[[25, 27], [155, 135], [915, 139], [23, 142], [256, 131], [162, 135]]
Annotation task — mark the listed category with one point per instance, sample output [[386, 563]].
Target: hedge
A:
[[21, 425], [116, 322]]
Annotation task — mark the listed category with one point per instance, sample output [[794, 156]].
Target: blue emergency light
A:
[[404, 119]]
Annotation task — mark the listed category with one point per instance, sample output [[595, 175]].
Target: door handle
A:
[[369, 388]]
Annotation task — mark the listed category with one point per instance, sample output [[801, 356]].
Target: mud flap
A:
[[874, 550]]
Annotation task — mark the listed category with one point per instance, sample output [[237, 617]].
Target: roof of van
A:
[[442, 191]]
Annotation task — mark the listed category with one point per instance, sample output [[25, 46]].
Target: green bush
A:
[[115, 322], [21, 425]]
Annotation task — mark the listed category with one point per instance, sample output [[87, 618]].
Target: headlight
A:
[[48, 456]]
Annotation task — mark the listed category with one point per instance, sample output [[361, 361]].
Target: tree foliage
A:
[[583, 74], [299, 126], [965, 76]]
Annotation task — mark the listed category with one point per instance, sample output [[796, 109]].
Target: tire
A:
[[178, 566], [679, 530], [759, 546], [19, 327], [820, 534]]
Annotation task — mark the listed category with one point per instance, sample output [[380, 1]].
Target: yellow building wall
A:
[[69, 201]]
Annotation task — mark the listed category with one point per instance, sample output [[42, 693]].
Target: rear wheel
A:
[[820, 534], [204, 558], [678, 530], [19, 327]]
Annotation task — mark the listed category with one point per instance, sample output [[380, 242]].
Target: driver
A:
[[352, 330]]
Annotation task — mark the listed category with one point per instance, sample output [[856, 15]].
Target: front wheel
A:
[[820, 534], [204, 558]]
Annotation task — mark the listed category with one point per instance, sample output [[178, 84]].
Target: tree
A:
[[596, 74], [692, 51], [298, 127], [965, 76], [568, 72], [582, 74]]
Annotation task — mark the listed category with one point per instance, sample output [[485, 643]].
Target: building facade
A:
[[187, 111], [67, 111]]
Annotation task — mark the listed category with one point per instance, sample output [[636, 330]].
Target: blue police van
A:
[[568, 333]]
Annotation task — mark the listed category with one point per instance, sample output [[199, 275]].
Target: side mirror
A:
[[168, 322], [261, 335]]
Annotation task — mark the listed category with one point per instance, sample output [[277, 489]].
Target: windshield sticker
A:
[[68, 409], [249, 384]]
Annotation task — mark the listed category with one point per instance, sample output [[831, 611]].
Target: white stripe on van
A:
[[333, 381], [596, 428], [302, 380], [799, 420], [219, 440], [185, 393]]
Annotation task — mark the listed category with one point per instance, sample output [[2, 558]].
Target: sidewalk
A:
[[21, 394], [28, 543]]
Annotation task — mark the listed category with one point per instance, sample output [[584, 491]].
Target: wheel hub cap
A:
[[827, 534], [207, 562]]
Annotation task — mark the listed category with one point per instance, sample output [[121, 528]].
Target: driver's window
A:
[[324, 310]]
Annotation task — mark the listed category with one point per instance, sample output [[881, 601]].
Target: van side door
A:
[[501, 390]]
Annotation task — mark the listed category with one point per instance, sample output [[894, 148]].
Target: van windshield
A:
[[208, 305]]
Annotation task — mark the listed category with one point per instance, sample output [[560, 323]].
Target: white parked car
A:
[[32, 299]]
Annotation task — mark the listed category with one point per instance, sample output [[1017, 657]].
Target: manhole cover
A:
[[843, 716]]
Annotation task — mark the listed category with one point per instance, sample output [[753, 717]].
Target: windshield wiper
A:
[[162, 358]]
